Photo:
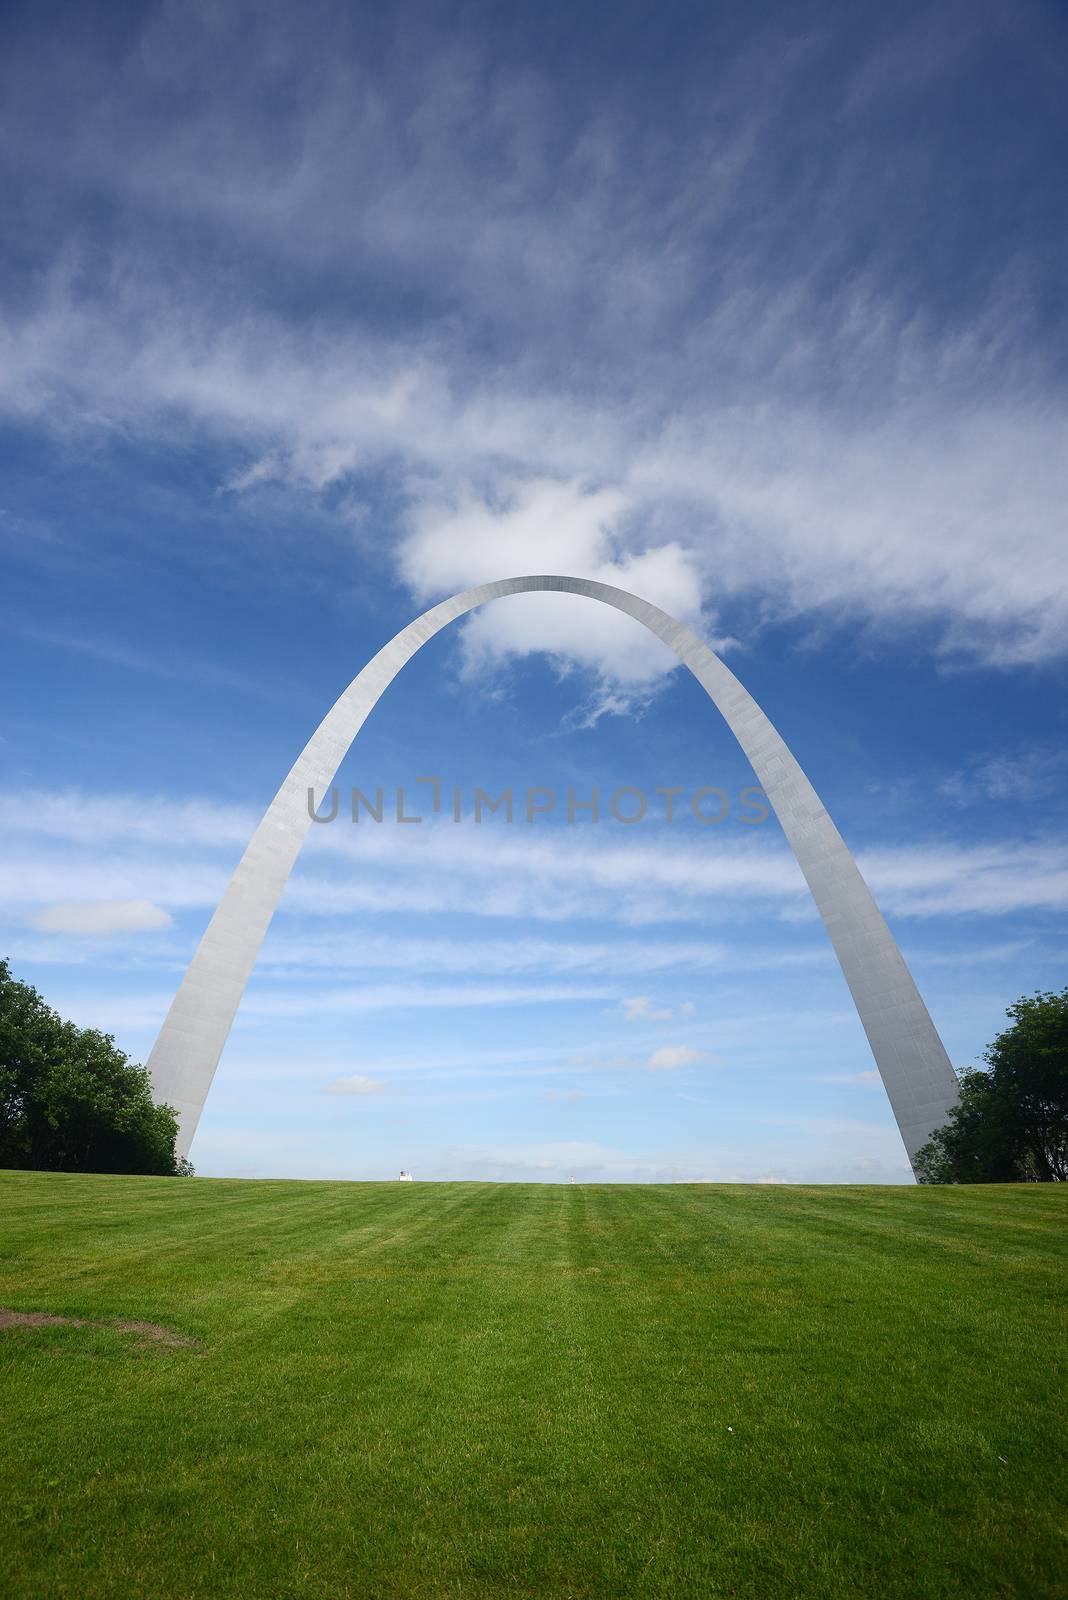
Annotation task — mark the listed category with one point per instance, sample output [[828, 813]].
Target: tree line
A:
[[70, 1100]]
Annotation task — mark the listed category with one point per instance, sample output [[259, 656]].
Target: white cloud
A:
[[670, 1056], [939, 504], [639, 1008], [101, 917], [974, 955], [833, 454], [1011, 777], [548, 526], [990, 879], [870, 1077], [266, 1004], [355, 1083], [138, 848], [78, 817], [259, 1005], [544, 526]]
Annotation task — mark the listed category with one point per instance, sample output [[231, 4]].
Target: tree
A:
[[1011, 1122], [70, 1100]]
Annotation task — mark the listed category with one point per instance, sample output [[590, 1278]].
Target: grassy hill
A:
[[476, 1390]]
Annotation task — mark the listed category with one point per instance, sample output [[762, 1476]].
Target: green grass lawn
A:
[[487, 1389]]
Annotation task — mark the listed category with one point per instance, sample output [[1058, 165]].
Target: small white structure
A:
[[406, 1177]]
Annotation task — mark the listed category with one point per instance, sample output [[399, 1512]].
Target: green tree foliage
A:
[[1011, 1124], [70, 1101]]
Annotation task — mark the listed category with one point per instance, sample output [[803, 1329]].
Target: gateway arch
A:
[[912, 1060]]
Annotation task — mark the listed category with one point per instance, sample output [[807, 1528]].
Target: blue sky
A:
[[311, 319]]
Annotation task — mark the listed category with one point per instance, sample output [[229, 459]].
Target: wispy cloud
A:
[[102, 917], [356, 1083], [182, 669], [639, 1008], [1007, 776], [260, 1005], [668, 1057], [870, 1077], [678, 394], [125, 847], [900, 511]]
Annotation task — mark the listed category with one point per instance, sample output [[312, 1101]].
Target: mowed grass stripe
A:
[[480, 1390]]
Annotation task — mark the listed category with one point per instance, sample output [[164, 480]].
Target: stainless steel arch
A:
[[915, 1069]]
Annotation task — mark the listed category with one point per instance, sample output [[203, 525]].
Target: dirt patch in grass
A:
[[149, 1333]]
